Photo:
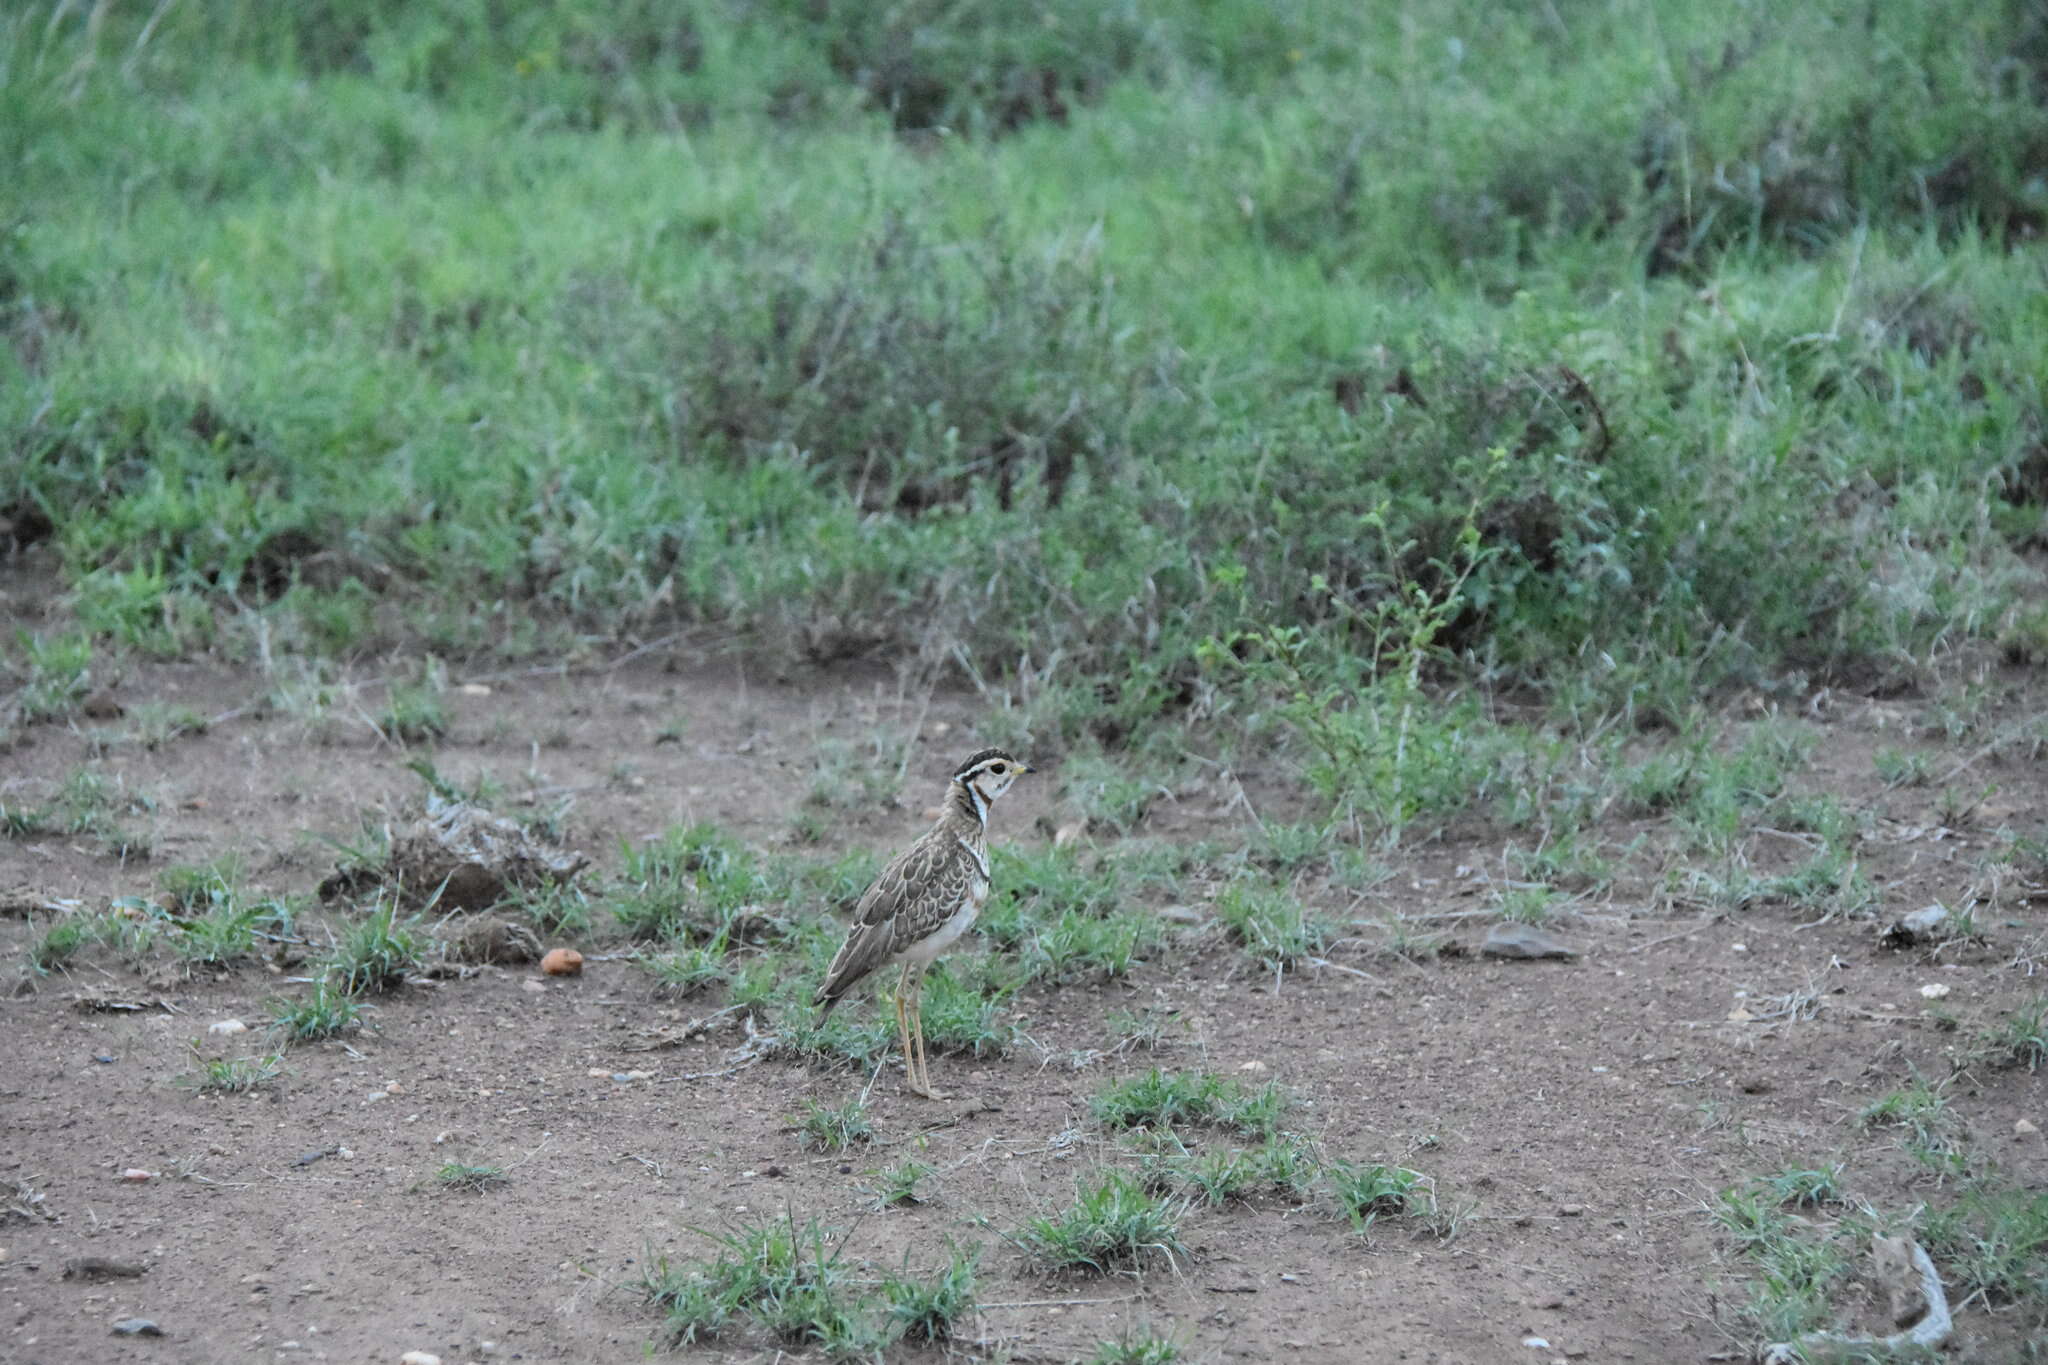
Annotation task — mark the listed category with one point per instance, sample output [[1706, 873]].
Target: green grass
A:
[[902, 1185], [86, 804], [1272, 925], [376, 952], [1800, 1267], [926, 1309], [679, 975], [1279, 1166], [1164, 1099], [469, 1177], [1361, 412], [795, 1285], [694, 885], [558, 910], [1367, 1192], [232, 1075], [1811, 1187], [1114, 1225], [327, 1011], [1141, 1346], [834, 1128], [53, 675], [2022, 1039]]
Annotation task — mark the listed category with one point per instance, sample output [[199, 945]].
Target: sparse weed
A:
[[1288, 849], [1105, 795], [60, 942], [1114, 1224], [414, 714], [557, 909], [1366, 1192], [329, 1011], [223, 935], [1804, 1187], [1921, 1111], [232, 1075], [834, 1128], [1799, 1272], [2022, 1039], [1137, 1031], [202, 884], [962, 1021], [1903, 767], [1162, 1099], [1526, 904], [682, 974], [1141, 1346], [694, 885], [846, 778], [1076, 944], [1273, 926], [59, 674], [925, 1310], [1993, 1241], [469, 1177], [902, 1185], [1280, 1165], [376, 953], [795, 1283]]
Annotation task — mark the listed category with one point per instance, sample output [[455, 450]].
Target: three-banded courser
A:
[[924, 899]]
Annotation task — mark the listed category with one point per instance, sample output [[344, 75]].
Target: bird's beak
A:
[[1028, 768]]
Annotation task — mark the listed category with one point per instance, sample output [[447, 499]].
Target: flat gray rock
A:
[[1524, 941]]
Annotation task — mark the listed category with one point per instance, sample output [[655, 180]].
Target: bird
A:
[[924, 900]]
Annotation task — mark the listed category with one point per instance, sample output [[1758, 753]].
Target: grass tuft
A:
[[1113, 1225], [328, 1011], [834, 1128], [468, 1177], [231, 1075]]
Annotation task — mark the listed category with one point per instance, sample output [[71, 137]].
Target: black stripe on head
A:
[[976, 760]]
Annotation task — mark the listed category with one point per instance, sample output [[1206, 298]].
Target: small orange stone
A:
[[562, 962]]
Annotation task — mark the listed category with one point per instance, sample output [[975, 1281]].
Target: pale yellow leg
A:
[[923, 1085], [903, 1026]]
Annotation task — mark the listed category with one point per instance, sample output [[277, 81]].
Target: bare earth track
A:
[[1586, 1111]]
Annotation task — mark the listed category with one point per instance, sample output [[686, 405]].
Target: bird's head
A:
[[991, 772]]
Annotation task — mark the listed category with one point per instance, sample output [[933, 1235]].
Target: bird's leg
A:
[[923, 1085], [903, 1025]]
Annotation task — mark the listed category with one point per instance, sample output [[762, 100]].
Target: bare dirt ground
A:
[[1586, 1110]]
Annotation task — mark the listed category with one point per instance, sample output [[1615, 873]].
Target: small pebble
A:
[[137, 1174], [419, 1358], [1571, 1210], [562, 962], [1254, 1065], [2024, 1127], [137, 1327], [1935, 990], [227, 1027]]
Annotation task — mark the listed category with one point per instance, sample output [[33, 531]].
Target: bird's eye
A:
[[997, 768]]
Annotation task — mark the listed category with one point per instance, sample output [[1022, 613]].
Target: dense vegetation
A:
[[1133, 356]]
